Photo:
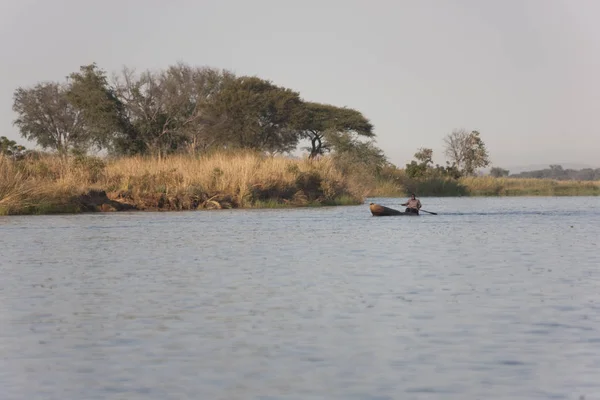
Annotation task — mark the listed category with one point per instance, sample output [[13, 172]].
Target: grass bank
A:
[[48, 184], [44, 184], [401, 185], [489, 186]]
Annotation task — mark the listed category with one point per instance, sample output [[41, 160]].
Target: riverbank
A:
[[490, 186], [48, 184]]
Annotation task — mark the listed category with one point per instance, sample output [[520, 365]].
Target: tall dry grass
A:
[[33, 190], [49, 184], [221, 180], [490, 186]]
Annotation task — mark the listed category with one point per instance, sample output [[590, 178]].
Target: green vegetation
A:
[[179, 110]]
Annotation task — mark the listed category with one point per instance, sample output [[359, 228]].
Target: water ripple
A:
[[490, 299]]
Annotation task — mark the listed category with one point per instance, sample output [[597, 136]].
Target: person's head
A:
[[412, 196]]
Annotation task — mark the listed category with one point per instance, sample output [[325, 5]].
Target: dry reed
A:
[[221, 180], [490, 186], [49, 184]]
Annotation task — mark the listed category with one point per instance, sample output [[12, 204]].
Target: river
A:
[[493, 298]]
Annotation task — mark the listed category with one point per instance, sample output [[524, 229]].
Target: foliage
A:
[[11, 148], [101, 111], [498, 172], [364, 155], [324, 124], [167, 110], [252, 113], [466, 151], [422, 167], [185, 109], [46, 116]]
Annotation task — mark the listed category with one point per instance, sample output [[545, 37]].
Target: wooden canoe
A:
[[381, 211]]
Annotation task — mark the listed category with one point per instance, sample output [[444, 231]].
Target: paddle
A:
[[429, 212]]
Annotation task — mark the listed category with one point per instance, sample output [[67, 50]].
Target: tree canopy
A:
[[182, 108], [46, 116], [253, 113], [323, 125]]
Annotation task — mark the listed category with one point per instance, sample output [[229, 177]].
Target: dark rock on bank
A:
[[97, 200]]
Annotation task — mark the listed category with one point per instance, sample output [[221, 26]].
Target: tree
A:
[[253, 113], [422, 167], [102, 112], [197, 88], [146, 108], [353, 154], [10, 147], [466, 151], [322, 123], [498, 172], [419, 168], [46, 116], [167, 110], [425, 156]]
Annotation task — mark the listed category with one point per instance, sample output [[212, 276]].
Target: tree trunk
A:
[[316, 147]]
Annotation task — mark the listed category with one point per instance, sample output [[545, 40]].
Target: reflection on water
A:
[[490, 299]]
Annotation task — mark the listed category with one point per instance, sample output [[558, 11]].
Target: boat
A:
[[381, 211]]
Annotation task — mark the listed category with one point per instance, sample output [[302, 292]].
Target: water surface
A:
[[494, 298]]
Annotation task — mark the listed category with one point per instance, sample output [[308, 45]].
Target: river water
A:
[[494, 298]]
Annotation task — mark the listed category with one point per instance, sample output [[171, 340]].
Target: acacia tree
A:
[[46, 116], [322, 123], [466, 151]]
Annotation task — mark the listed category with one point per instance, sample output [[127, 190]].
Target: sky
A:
[[524, 73]]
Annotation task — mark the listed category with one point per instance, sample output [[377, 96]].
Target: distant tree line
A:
[[184, 109], [557, 172]]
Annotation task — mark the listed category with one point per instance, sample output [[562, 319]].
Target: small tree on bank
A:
[[498, 172], [419, 168], [422, 167], [466, 151]]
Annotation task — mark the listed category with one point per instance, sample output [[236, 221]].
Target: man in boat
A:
[[413, 205]]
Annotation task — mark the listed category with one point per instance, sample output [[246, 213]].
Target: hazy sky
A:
[[525, 73]]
